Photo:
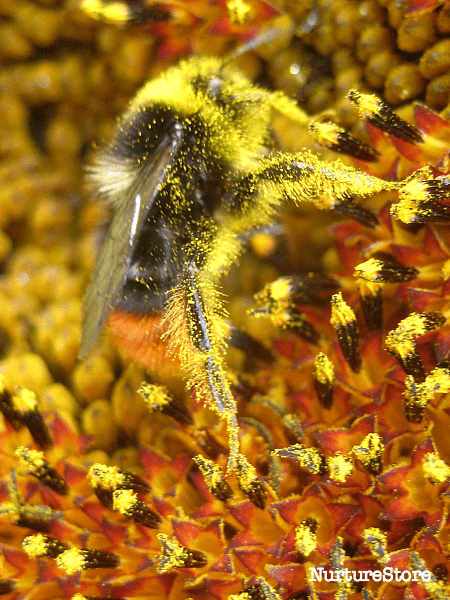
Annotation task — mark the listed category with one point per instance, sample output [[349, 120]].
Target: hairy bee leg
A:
[[302, 176], [198, 333]]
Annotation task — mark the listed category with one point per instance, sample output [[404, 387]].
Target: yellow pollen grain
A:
[[247, 473], [211, 472], [341, 313], [369, 270], [414, 190], [323, 368], [305, 540], [155, 396], [108, 478], [401, 339], [370, 448], [435, 469], [124, 501], [367, 104], [24, 400], [30, 458], [71, 561], [340, 467], [325, 133], [280, 289], [35, 545], [175, 559]]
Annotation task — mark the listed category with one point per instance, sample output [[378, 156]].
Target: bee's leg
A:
[[256, 194], [197, 332]]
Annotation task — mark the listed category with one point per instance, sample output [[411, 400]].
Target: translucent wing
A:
[[130, 212]]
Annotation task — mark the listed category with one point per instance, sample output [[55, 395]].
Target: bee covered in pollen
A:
[[190, 171]]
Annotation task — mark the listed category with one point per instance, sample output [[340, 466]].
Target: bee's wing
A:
[[130, 212]]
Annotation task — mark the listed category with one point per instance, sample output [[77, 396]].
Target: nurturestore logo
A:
[[388, 574]]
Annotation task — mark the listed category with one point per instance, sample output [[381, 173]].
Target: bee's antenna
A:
[[266, 37]]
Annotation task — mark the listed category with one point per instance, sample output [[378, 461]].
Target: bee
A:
[[189, 172]]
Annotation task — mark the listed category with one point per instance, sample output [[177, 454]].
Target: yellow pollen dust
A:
[[280, 289], [71, 561], [305, 540], [108, 478], [415, 190], [402, 338], [124, 500], [247, 473], [370, 269], [370, 448], [340, 467], [155, 396], [35, 545], [24, 400], [323, 368], [30, 458], [325, 133], [435, 469], [211, 472], [367, 104], [341, 313], [174, 555], [436, 382]]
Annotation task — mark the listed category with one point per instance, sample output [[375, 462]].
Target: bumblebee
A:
[[190, 171]]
